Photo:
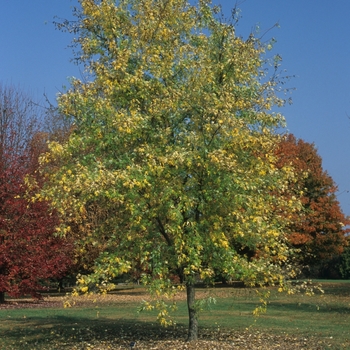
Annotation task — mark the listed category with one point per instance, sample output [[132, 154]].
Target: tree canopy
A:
[[171, 164], [30, 253], [319, 229]]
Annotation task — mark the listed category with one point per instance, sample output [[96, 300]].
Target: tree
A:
[[30, 253], [29, 250], [320, 229], [18, 124], [56, 125], [174, 146], [344, 265]]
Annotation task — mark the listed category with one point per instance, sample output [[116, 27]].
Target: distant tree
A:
[[30, 253], [344, 264], [29, 250], [57, 125], [19, 121], [319, 229]]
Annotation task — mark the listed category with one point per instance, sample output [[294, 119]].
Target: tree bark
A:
[[2, 297], [192, 312]]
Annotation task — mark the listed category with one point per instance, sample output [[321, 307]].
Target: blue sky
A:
[[313, 40]]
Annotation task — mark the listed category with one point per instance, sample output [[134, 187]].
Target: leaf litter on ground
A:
[[144, 336]]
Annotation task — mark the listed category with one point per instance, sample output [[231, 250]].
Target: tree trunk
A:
[[192, 312], [2, 297]]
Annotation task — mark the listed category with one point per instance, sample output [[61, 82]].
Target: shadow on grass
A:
[[310, 307], [67, 331], [338, 290], [304, 307]]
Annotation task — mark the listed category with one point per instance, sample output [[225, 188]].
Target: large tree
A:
[[319, 229], [30, 252], [171, 162]]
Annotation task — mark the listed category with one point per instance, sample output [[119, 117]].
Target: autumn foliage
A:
[[29, 250], [171, 165], [319, 229]]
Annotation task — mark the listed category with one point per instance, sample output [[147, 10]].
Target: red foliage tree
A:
[[29, 250], [319, 229]]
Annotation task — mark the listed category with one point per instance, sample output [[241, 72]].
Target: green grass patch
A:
[[115, 319]]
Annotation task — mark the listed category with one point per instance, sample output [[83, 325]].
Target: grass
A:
[[114, 319], [323, 315]]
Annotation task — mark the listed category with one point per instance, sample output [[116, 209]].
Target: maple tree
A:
[[319, 229], [29, 251], [171, 163]]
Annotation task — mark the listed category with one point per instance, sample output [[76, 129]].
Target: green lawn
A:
[[114, 319]]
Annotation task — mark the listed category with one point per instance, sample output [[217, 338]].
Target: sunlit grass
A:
[[115, 317]]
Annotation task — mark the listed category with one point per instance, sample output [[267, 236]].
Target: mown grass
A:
[[325, 316], [322, 315]]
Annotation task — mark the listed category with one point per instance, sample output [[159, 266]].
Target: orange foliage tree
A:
[[319, 229]]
